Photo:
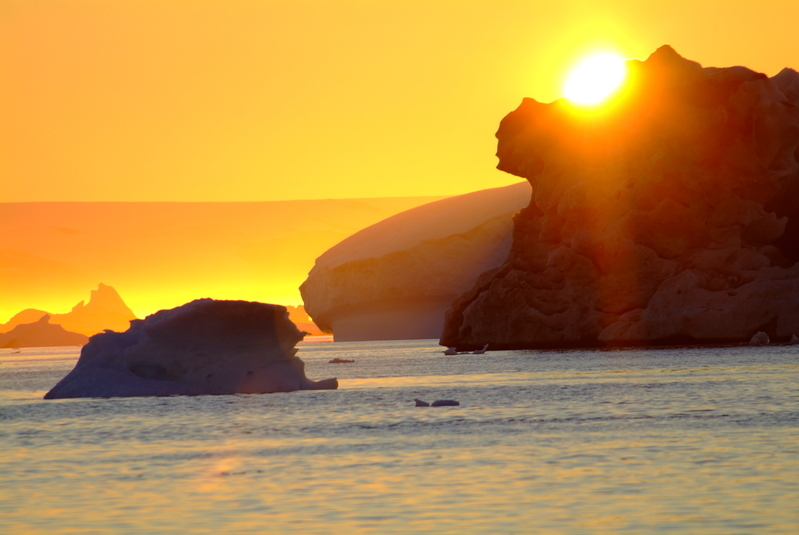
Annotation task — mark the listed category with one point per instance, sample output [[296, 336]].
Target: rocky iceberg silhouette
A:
[[203, 347], [670, 215]]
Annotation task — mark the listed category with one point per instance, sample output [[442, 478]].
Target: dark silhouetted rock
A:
[[396, 279], [668, 215], [202, 347]]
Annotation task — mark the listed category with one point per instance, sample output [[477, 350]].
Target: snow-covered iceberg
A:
[[395, 279], [202, 347]]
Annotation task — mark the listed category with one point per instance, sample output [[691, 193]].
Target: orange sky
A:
[[222, 100], [225, 100]]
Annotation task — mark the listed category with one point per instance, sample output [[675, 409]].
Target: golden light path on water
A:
[[684, 440]]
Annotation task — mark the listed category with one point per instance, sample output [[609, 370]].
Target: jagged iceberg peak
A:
[[203, 347], [105, 310]]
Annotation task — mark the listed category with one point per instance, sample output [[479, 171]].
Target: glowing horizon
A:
[[161, 255]]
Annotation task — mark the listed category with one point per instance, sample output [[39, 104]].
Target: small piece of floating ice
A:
[[454, 351], [202, 347], [760, 339], [437, 403]]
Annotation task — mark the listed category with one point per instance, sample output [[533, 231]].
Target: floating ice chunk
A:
[[445, 403], [760, 339], [437, 403], [202, 347]]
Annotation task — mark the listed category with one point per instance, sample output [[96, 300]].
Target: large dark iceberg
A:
[[669, 215], [202, 347]]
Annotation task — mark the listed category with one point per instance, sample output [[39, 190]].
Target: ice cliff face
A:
[[669, 216], [202, 347], [396, 279]]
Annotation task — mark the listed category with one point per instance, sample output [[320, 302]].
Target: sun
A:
[[595, 78]]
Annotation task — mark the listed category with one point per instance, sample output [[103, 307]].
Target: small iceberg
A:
[[760, 339], [203, 347]]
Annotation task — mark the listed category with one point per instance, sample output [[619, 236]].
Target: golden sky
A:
[[161, 255], [224, 100]]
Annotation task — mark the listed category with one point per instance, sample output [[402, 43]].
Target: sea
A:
[[695, 440]]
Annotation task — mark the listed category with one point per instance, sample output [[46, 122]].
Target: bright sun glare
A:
[[595, 78]]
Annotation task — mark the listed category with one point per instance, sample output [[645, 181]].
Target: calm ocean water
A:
[[689, 440]]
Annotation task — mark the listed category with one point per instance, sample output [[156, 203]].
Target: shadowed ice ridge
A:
[[202, 347]]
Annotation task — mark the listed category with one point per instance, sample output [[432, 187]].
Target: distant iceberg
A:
[[41, 333], [105, 311], [202, 347]]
